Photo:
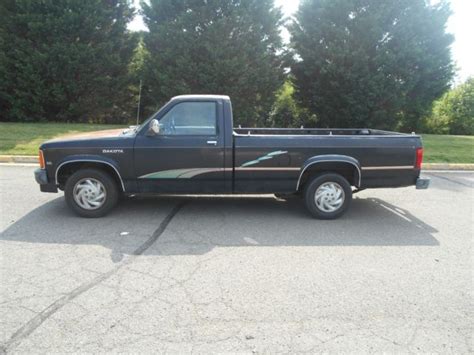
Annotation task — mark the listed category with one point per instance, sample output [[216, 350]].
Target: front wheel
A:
[[328, 196], [91, 193]]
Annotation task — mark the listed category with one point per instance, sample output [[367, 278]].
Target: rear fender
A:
[[340, 160]]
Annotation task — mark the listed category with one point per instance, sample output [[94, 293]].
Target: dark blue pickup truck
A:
[[191, 147]]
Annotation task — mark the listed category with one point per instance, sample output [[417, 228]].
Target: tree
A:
[[137, 71], [230, 47], [371, 63], [286, 112], [453, 113], [64, 60]]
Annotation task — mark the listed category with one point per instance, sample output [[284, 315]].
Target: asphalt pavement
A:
[[238, 274]]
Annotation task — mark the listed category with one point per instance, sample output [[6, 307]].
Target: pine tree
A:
[[64, 60], [230, 47], [375, 63]]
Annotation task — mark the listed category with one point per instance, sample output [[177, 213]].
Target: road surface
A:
[[238, 274]]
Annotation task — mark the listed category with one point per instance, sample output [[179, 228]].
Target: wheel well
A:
[[66, 170], [349, 171]]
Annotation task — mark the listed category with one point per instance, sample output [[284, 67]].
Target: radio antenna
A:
[[139, 100]]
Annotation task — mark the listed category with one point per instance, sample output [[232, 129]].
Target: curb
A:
[[19, 159], [447, 166], [29, 159]]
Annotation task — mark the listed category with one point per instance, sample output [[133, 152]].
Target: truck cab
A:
[[192, 148]]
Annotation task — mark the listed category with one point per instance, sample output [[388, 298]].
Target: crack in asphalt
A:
[[46, 313], [450, 180]]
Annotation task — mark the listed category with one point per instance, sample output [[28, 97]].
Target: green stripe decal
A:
[[179, 173], [264, 157], [191, 172], [165, 174]]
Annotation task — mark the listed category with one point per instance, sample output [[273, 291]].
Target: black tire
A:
[[111, 192], [327, 178]]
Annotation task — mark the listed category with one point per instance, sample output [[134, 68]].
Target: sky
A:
[[461, 24]]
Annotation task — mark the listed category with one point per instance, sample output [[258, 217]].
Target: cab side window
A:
[[190, 118]]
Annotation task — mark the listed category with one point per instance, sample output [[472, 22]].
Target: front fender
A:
[[88, 158]]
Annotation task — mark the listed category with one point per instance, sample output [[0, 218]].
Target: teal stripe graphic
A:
[[179, 173], [264, 157], [191, 172], [165, 174]]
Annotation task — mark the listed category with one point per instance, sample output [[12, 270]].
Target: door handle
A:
[[212, 142]]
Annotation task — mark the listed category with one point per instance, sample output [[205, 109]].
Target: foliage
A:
[[64, 60], [287, 113], [230, 47], [370, 63], [364, 63], [453, 113], [137, 72]]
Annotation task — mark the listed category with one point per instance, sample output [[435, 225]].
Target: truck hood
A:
[[108, 133]]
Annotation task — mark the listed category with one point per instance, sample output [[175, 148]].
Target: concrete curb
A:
[[19, 159], [447, 166], [29, 159]]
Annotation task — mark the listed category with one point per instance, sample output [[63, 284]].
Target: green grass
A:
[[25, 138], [448, 149]]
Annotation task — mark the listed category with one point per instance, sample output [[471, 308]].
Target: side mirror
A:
[[153, 128]]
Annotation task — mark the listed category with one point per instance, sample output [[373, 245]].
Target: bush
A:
[[453, 113]]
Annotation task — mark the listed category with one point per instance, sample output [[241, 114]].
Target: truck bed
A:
[[274, 156]]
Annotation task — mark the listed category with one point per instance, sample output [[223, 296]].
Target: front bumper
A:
[[422, 183], [41, 178]]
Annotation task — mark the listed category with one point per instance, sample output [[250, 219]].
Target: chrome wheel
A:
[[329, 197], [89, 193]]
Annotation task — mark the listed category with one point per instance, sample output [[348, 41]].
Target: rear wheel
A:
[[91, 193], [328, 196]]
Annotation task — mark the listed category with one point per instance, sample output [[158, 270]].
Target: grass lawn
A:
[[448, 149], [25, 138]]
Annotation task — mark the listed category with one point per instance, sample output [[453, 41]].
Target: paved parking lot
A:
[[238, 274]]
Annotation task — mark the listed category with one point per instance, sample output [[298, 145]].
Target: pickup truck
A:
[[191, 147]]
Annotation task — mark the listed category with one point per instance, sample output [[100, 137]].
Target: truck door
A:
[[187, 155]]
